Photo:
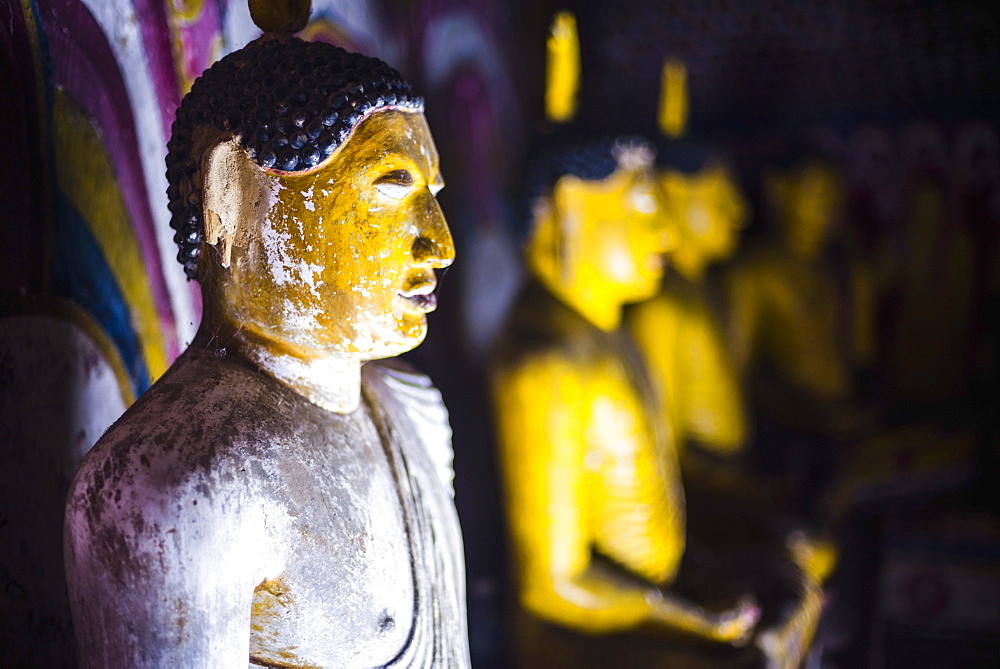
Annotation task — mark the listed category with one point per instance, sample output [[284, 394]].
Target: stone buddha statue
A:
[[605, 572], [276, 497], [679, 331]]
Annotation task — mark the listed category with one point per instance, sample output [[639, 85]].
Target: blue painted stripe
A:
[[81, 273]]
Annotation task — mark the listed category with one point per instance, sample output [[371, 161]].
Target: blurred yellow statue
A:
[[590, 469], [586, 462], [678, 331], [787, 334]]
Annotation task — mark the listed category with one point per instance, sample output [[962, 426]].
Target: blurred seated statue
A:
[[929, 338], [931, 295], [788, 333], [276, 497], [594, 498], [679, 331]]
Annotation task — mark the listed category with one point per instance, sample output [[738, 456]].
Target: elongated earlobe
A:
[[233, 197]]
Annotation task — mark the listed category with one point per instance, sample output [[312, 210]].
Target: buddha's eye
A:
[[396, 184]]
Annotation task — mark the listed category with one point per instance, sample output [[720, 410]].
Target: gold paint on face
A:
[[343, 257], [598, 244], [709, 212]]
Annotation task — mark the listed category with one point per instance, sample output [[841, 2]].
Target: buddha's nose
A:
[[434, 245]]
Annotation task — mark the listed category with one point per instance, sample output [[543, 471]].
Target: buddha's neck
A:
[[592, 305], [328, 380], [584, 297], [689, 263]]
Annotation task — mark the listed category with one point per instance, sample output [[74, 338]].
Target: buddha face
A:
[[619, 239], [343, 256], [809, 199], [600, 244], [708, 211]]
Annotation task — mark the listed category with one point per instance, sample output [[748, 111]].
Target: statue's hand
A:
[[786, 644], [814, 556], [736, 625]]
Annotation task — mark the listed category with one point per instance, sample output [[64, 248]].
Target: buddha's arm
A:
[[743, 317], [542, 407], [686, 353], [157, 579]]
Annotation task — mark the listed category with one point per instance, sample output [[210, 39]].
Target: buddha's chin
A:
[[408, 333], [644, 290]]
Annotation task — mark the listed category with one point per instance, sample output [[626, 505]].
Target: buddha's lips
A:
[[424, 302], [422, 296]]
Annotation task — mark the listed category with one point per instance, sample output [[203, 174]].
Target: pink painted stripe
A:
[[84, 64], [160, 56], [197, 39]]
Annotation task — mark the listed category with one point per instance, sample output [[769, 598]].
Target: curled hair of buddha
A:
[[291, 104], [588, 157]]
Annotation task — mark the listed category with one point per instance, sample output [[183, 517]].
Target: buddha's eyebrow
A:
[[400, 177]]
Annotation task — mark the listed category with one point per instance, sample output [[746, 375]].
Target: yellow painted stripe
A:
[[324, 28], [87, 178]]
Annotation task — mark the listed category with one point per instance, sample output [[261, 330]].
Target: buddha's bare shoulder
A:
[[178, 458], [167, 528], [197, 419]]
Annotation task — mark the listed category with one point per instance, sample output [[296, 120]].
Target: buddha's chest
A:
[[343, 594], [617, 419], [804, 299], [631, 486]]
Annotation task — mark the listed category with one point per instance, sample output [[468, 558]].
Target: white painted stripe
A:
[[120, 24]]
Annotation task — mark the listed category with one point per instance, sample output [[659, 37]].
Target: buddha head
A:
[[707, 210], [597, 239], [302, 191], [806, 199]]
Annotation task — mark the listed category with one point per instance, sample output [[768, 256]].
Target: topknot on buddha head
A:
[[291, 104]]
